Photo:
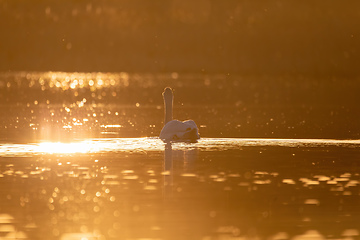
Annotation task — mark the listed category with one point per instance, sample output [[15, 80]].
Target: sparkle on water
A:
[[73, 164], [155, 144], [107, 172]]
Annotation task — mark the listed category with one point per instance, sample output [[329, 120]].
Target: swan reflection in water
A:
[[177, 162], [168, 170]]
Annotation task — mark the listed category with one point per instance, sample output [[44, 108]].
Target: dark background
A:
[[246, 37]]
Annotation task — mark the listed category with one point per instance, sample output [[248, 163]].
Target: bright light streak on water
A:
[[80, 147], [86, 146], [155, 144]]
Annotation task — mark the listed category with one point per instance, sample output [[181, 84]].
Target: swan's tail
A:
[[192, 134]]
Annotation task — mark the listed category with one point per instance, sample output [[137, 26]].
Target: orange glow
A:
[[155, 144], [77, 147]]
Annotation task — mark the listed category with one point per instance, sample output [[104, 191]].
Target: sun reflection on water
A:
[[155, 144], [58, 147]]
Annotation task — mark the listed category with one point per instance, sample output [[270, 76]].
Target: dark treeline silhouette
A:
[[246, 37]]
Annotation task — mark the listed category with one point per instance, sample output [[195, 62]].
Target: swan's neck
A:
[[168, 104]]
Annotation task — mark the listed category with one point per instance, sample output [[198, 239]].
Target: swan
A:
[[175, 130]]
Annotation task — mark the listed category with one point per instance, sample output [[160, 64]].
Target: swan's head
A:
[[168, 93]]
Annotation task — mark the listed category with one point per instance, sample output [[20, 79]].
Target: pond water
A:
[[80, 158]]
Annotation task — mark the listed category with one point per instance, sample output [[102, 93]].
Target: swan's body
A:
[[175, 130]]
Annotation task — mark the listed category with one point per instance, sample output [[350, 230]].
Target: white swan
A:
[[175, 130]]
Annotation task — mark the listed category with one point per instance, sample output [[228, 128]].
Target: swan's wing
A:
[[176, 130], [175, 126], [190, 123]]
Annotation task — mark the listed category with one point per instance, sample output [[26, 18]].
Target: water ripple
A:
[[155, 144]]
